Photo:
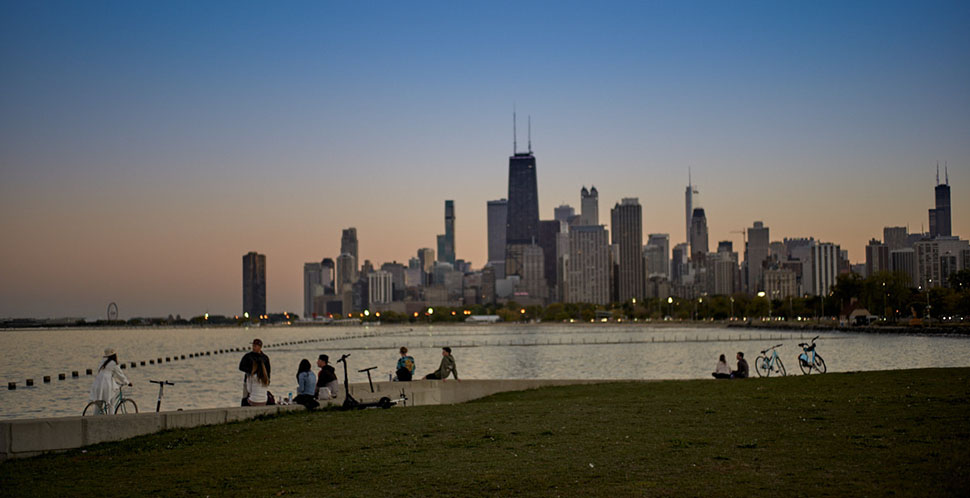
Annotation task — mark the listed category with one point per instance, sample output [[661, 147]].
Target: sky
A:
[[145, 147]]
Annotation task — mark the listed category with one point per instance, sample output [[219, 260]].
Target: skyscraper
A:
[[824, 259], [548, 239], [627, 227], [446, 242], [380, 288], [312, 286], [585, 265], [564, 213], [348, 243], [522, 225], [940, 216], [426, 255], [689, 194], [658, 261], [346, 273], [498, 213], [756, 251], [254, 284], [589, 206], [877, 257], [698, 235]]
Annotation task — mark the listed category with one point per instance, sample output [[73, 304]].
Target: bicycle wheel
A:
[[126, 406], [761, 366], [804, 366], [94, 408], [820, 364], [781, 367]]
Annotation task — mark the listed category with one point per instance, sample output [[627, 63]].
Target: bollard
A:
[[74, 374], [87, 372], [11, 386], [61, 376]]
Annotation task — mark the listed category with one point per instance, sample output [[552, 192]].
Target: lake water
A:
[[502, 351]]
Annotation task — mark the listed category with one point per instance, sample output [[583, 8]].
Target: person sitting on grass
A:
[[742, 371], [306, 385], [446, 368], [722, 370], [405, 366]]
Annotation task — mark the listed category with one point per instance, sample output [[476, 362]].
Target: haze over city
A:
[[145, 148]]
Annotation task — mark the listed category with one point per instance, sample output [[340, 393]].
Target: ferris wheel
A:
[[112, 312]]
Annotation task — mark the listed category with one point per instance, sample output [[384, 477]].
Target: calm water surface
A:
[[601, 351]]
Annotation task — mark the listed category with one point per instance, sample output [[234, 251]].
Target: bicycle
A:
[[121, 405], [810, 360], [765, 364]]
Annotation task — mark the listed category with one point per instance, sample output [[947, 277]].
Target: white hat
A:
[[108, 352]]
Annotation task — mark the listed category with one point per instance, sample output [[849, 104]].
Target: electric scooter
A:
[[350, 403]]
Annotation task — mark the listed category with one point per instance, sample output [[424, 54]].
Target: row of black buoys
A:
[[30, 382], [47, 379], [61, 376]]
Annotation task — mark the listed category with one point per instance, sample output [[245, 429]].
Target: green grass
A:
[[876, 433]]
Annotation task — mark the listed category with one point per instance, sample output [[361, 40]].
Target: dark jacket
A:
[[742, 371], [327, 375], [246, 364]]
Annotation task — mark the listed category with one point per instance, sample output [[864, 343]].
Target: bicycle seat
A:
[[802, 344]]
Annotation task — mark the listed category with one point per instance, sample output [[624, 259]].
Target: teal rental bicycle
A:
[[810, 361], [121, 405], [769, 362]]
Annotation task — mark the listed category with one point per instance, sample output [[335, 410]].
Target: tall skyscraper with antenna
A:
[[689, 201], [522, 226], [940, 215]]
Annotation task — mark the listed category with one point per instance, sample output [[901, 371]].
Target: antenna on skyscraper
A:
[[937, 172], [946, 171], [515, 137], [530, 134], [689, 184]]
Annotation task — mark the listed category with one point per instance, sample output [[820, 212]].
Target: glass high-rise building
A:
[[348, 243], [522, 223], [498, 213], [698, 235], [254, 284]]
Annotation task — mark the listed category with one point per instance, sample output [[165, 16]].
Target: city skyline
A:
[[152, 208]]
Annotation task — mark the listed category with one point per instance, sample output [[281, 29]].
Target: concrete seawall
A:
[[29, 437]]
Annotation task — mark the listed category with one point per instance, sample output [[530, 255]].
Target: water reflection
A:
[[600, 351]]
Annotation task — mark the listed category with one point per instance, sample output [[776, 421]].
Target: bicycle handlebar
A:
[[367, 369], [343, 358], [160, 382], [769, 349]]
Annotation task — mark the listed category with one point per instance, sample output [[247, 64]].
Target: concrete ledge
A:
[[29, 437]]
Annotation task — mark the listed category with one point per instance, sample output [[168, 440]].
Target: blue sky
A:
[[189, 133]]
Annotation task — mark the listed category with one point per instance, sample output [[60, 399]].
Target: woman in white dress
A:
[[110, 377], [257, 384]]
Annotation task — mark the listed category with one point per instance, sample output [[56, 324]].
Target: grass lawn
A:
[[874, 433]]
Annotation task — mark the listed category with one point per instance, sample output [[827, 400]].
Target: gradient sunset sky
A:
[[146, 146]]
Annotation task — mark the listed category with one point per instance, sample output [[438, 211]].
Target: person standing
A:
[[405, 366], [109, 378], [250, 365], [446, 368], [742, 371], [328, 387]]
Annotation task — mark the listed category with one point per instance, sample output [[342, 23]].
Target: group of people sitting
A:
[[723, 370], [311, 387]]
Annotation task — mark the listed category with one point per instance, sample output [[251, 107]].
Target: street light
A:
[[762, 294], [670, 304]]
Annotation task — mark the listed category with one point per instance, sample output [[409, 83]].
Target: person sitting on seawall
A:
[[306, 385], [722, 370], [328, 387], [257, 385], [405, 366], [446, 368], [742, 371], [110, 377]]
